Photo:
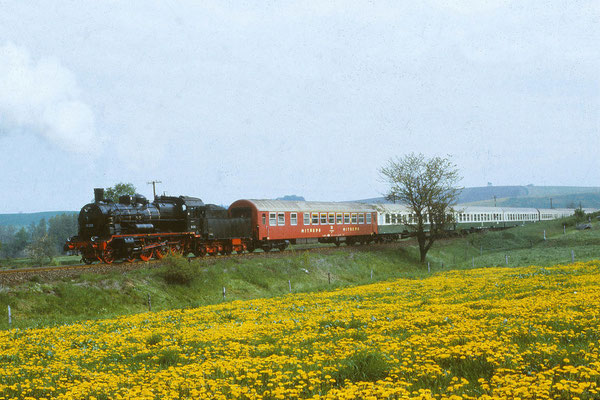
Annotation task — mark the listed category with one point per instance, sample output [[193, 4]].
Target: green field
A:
[[62, 298]]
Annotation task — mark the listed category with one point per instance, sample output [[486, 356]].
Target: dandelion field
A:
[[516, 333]]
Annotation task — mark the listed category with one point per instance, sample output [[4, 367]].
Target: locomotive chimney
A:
[[98, 195]]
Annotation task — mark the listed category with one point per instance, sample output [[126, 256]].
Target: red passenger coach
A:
[[277, 223]]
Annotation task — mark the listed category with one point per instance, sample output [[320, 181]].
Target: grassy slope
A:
[[40, 301]]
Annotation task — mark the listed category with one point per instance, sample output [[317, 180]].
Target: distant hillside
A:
[[586, 200], [291, 197], [525, 196], [469, 195], [25, 219]]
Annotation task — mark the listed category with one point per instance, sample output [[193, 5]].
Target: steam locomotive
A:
[[135, 228]]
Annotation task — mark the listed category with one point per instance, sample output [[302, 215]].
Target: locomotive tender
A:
[[134, 228]]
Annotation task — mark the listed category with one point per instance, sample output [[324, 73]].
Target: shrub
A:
[[178, 270], [364, 366]]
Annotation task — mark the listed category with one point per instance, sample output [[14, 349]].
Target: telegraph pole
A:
[[153, 183]]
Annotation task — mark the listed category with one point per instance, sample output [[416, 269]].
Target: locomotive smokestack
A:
[[98, 195]]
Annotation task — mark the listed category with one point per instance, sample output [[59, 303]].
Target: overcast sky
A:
[[227, 100]]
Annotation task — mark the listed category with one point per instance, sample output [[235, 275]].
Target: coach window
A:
[[339, 218], [331, 218], [354, 218], [368, 218], [346, 218], [306, 219], [315, 219], [293, 219], [281, 219], [323, 218], [361, 218], [264, 218], [272, 219]]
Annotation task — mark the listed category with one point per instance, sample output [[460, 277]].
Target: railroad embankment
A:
[[57, 298]]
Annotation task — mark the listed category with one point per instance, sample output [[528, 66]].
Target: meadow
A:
[[55, 299], [527, 333]]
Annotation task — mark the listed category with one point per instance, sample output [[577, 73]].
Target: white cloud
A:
[[43, 97]]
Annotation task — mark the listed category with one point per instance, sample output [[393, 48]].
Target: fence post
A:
[[544, 234], [506, 258], [223, 293], [149, 303], [572, 255], [290, 285], [371, 274], [329, 277], [9, 317]]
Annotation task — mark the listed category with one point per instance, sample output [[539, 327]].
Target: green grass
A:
[[28, 262], [177, 283]]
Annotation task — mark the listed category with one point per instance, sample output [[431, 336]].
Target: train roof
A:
[[302, 206], [401, 208]]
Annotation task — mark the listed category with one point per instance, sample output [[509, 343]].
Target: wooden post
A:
[[572, 255], [149, 303], [290, 285], [329, 277], [9, 317], [544, 234], [223, 293]]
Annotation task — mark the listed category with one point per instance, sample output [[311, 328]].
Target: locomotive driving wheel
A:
[[130, 257], [160, 252], [108, 256], [146, 255], [176, 249]]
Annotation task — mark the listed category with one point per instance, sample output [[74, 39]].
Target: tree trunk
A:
[[422, 240]]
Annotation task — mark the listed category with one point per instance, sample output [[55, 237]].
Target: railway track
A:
[[7, 275]]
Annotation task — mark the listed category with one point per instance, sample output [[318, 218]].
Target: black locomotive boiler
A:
[[137, 228]]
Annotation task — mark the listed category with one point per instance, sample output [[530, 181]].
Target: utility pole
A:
[[153, 183]]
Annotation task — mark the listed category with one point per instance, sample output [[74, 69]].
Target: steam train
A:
[[134, 228]]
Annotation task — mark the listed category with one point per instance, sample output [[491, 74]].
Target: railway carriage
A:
[[547, 214], [278, 223], [393, 220]]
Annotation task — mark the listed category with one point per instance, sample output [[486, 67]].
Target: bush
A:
[[364, 366], [178, 270]]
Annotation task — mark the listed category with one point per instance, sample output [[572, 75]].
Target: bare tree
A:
[[428, 188]]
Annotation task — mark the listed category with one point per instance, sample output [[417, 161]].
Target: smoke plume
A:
[[42, 97]]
